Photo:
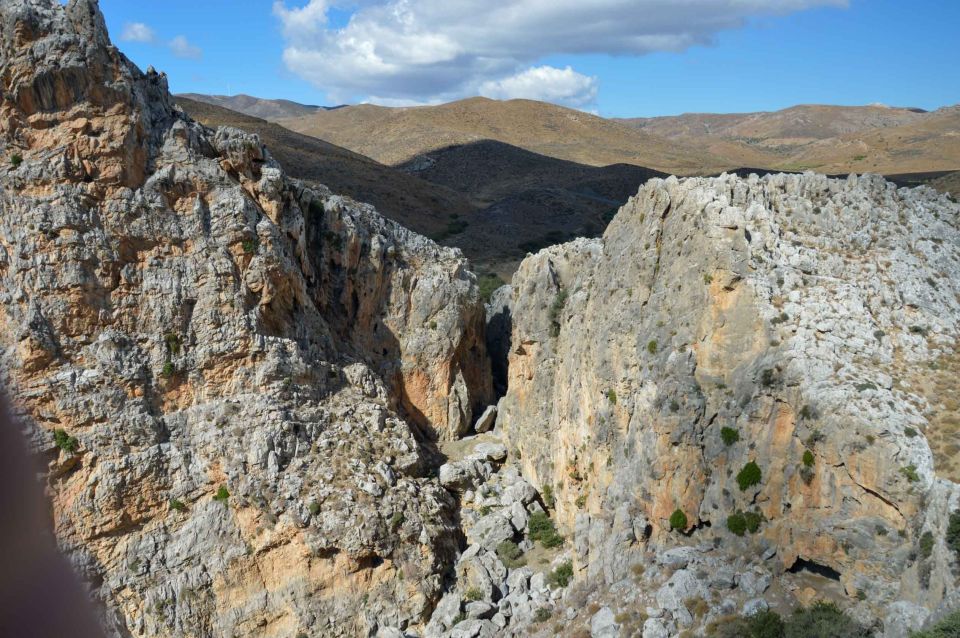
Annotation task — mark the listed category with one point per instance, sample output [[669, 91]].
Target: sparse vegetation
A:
[[488, 283], [729, 435], [548, 498], [542, 614], [952, 536], [168, 370], [65, 442], [749, 476], [543, 530], [510, 554], [172, 340], [473, 594], [558, 303], [808, 459], [222, 494], [396, 520], [809, 412], [178, 505], [910, 472], [561, 576], [652, 346], [910, 432], [742, 522], [612, 396], [16, 159], [250, 246], [314, 508], [948, 627], [678, 520], [820, 620]]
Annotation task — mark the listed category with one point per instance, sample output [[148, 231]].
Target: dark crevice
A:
[[802, 565]]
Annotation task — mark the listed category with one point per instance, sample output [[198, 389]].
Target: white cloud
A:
[[428, 50], [137, 32], [546, 83], [182, 48]]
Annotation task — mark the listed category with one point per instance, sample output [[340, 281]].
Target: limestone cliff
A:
[[229, 375], [737, 347]]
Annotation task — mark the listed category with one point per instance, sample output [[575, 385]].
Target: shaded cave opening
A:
[[812, 567]]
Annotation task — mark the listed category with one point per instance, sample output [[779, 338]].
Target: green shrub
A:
[[222, 494], [314, 508], [767, 378], [753, 519], [952, 536], [250, 246], [548, 498], [737, 524], [16, 159], [948, 627], [581, 501], [168, 370], [177, 505], [808, 412], [542, 614], [808, 459], [488, 283], [64, 441], [729, 435], [561, 576], [172, 340], [926, 544], [542, 529], [910, 472], [910, 432], [612, 396], [749, 476], [652, 346], [558, 303], [764, 624], [823, 620], [473, 594], [397, 520], [678, 520], [510, 554]]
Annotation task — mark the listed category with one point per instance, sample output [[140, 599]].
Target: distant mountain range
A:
[[499, 178]]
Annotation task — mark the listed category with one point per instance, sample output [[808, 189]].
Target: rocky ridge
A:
[[230, 376], [734, 353]]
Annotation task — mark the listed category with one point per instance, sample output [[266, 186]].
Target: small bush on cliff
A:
[[949, 627], [168, 370], [808, 459], [250, 246], [64, 441], [926, 544], [678, 520], [488, 283], [612, 396], [823, 620], [510, 554], [542, 529], [548, 498], [749, 476], [729, 436], [652, 346], [765, 624], [222, 494], [177, 505], [910, 472], [737, 524], [953, 533], [561, 576], [558, 303], [16, 160]]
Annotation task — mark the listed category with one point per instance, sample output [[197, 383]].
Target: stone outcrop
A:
[[229, 375], [741, 348]]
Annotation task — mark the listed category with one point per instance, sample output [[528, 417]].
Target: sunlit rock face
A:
[[745, 345], [229, 375]]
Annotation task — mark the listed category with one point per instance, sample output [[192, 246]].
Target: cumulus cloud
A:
[[545, 83], [182, 48], [426, 50], [137, 32]]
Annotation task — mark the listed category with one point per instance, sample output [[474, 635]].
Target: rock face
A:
[[229, 375], [739, 350]]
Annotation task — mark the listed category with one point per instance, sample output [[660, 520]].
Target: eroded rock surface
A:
[[733, 347], [228, 374]]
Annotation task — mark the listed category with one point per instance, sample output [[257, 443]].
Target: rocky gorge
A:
[[264, 410]]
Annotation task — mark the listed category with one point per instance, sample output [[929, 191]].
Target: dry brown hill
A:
[[254, 106], [828, 139], [415, 203], [397, 135], [493, 200]]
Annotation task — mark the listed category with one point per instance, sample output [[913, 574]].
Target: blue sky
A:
[[620, 58]]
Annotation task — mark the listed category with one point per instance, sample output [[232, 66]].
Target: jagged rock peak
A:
[[229, 375]]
